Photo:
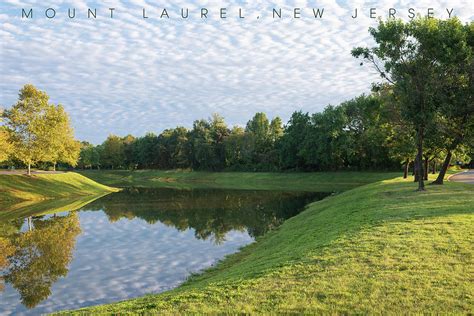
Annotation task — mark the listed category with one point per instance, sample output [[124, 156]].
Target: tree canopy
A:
[[37, 131]]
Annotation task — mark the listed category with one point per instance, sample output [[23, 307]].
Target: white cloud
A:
[[131, 75]]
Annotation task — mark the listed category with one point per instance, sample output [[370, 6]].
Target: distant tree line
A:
[[365, 133]]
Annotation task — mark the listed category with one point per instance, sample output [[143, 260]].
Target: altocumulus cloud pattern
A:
[[128, 74]]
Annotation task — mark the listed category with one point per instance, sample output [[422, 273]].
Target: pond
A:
[[130, 243]]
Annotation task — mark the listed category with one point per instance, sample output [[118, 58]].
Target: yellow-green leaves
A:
[[36, 130]]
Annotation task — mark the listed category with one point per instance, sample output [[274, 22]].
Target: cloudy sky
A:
[[128, 74]]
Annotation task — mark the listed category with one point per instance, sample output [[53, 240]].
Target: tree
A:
[[201, 146], [26, 123], [57, 137], [128, 151], [238, 149], [327, 144], [219, 132], [291, 143], [5, 144], [263, 137], [409, 55], [366, 133], [112, 152], [173, 150], [89, 156], [42, 256], [455, 86], [39, 131], [146, 151], [276, 129], [400, 138]]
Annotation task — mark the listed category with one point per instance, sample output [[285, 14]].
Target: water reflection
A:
[[35, 259], [128, 242], [211, 213]]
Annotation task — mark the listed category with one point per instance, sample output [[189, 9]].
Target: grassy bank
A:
[[378, 248], [311, 181], [20, 190]]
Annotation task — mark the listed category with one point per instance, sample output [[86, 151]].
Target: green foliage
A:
[[57, 136], [290, 143], [5, 144], [39, 131], [365, 133], [89, 156], [112, 152], [25, 122], [41, 256], [428, 62]]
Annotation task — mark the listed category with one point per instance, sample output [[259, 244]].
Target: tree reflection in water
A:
[[35, 252], [212, 213], [34, 260]]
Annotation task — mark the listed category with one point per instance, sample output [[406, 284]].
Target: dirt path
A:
[[32, 172], [466, 177]]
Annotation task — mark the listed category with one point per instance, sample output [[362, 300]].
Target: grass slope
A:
[[16, 188], [44, 207], [314, 181], [378, 248]]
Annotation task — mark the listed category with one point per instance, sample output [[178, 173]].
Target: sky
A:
[[133, 75]]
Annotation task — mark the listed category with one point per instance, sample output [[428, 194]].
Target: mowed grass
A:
[[310, 181], [15, 188], [380, 248]]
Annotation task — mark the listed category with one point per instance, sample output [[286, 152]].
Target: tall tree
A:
[[455, 86], [26, 123], [291, 143], [89, 156], [202, 150], [408, 55], [276, 129], [112, 153], [57, 137], [219, 132], [6, 147]]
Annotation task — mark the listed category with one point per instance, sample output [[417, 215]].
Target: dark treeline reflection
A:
[[211, 213], [34, 259]]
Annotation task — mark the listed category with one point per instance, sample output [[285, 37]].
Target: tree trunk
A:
[[420, 173], [54, 166], [434, 167], [444, 168], [415, 169], [29, 169], [405, 168], [425, 170], [30, 224]]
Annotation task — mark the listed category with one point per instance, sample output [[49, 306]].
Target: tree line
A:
[[365, 133]]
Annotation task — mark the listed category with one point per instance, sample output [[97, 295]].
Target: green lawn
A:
[[21, 190], [380, 248], [309, 181]]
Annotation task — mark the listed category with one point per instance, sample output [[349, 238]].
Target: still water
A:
[[130, 243]]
